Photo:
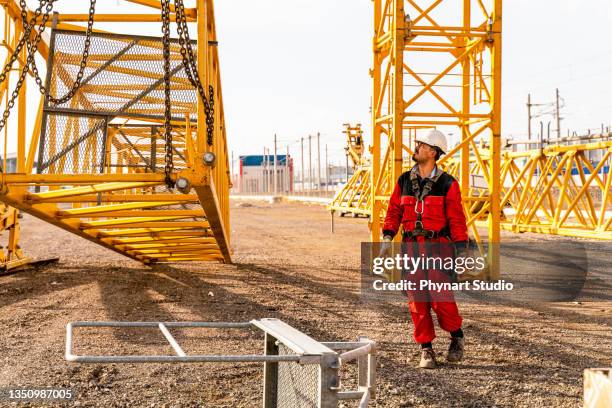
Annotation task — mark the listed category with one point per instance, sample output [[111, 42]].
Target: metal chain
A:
[[165, 13], [83, 64], [191, 69], [32, 48], [190, 66], [9, 65], [26, 34], [48, 5]]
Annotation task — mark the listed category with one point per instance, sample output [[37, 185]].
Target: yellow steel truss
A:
[[554, 190], [114, 193], [354, 197], [11, 256], [436, 64], [355, 146]]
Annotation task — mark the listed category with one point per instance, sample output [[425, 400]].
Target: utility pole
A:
[[287, 177], [319, 161], [529, 116], [302, 163], [241, 182], [264, 188], [274, 176], [268, 172], [309, 163], [347, 170], [326, 169], [557, 114]]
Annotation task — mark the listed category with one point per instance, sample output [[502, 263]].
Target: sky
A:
[[297, 67], [300, 67]]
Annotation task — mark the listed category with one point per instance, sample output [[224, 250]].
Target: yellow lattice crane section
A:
[[12, 256], [436, 64], [555, 190], [355, 146], [354, 198], [96, 163]]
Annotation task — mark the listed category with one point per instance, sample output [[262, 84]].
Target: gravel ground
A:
[[288, 265]]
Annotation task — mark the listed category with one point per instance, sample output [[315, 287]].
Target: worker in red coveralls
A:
[[426, 202]]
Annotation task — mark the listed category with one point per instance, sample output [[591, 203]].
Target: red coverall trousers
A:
[[441, 211], [421, 302]]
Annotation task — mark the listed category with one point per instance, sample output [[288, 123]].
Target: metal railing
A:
[[298, 370]]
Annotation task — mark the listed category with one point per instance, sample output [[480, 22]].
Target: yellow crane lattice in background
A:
[[436, 64], [555, 190], [355, 146], [354, 197]]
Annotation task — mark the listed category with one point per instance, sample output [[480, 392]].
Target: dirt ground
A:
[[289, 266]]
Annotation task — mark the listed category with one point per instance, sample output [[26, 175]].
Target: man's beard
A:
[[415, 159]]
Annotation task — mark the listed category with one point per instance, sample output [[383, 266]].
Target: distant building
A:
[[11, 163], [257, 174], [339, 174]]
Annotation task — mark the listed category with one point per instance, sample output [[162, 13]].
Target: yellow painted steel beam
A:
[[75, 179], [189, 12], [167, 236], [144, 232], [136, 213], [113, 18], [98, 188], [209, 201], [112, 207], [143, 222], [11, 255], [172, 259], [118, 198], [173, 249], [173, 244], [198, 254], [47, 214]]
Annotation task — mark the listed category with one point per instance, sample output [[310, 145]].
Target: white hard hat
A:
[[434, 138]]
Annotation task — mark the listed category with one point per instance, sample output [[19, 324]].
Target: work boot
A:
[[428, 358], [455, 350]]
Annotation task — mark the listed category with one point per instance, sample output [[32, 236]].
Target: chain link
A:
[[169, 165], [32, 49], [189, 63], [191, 69], [22, 40], [83, 64]]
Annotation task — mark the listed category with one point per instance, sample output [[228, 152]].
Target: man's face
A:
[[423, 153]]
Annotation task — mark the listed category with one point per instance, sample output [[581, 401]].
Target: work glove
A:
[[464, 251], [386, 246]]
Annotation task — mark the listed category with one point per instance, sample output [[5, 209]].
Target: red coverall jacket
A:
[[442, 208], [443, 213]]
